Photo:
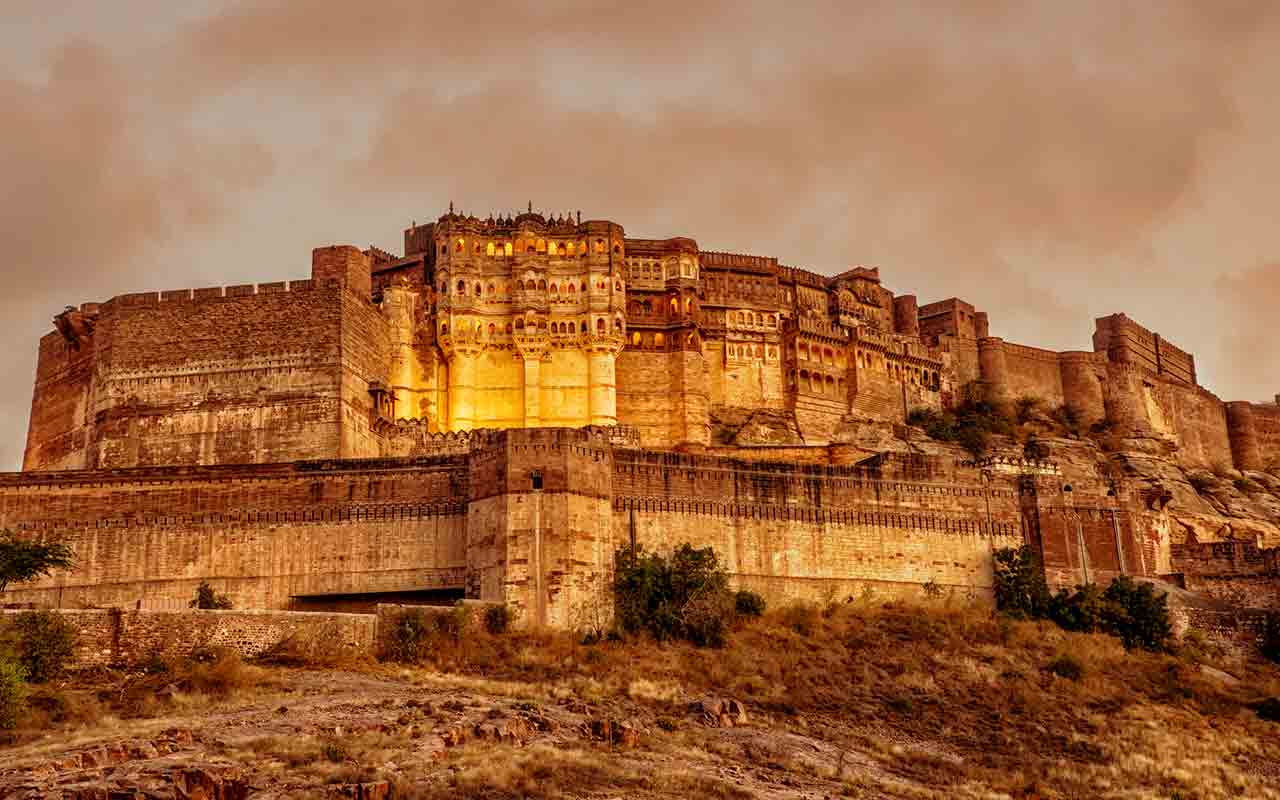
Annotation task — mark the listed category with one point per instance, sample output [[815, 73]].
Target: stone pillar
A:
[[993, 367], [398, 307]]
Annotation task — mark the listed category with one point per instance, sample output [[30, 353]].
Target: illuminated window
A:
[[492, 329], [476, 249], [506, 248], [444, 328], [560, 250], [599, 245], [570, 248], [617, 248], [635, 339], [688, 305], [542, 245], [658, 340], [675, 306], [490, 250], [458, 248]]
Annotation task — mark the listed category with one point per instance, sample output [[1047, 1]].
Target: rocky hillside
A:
[[855, 700]]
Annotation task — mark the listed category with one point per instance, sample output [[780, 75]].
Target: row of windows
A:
[[505, 249], [660, 340], [555, 287], [917, 375], [753, 318], [540, 324], [821, 384], [752, 351], [647, 307]]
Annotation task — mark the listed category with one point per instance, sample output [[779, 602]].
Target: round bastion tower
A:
[[529, 320]]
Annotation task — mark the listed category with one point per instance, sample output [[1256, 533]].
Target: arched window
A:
[[583, 329], [617, 248], [570, 248], [490, 250], [475, 248], [560, 249], [542, 245], [479, 290], [462, 287], [542, 285], [508, 328], [648, 306], [584, 287], [458, 248], [490, 289], [555, 289], [635, 339], [617, 324], [492, 329], [582, 247], [573, 289], [506, 248], [542, 324], [599, 324], [444, 329], [519, 323], [675, 306], [617, 286], [658, 340], [599, 245], [688, 305], [444, 249]]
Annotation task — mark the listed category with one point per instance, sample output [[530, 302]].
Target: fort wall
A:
[[119, 637]]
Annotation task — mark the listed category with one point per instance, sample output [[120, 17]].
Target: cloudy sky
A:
[[1050, 162]]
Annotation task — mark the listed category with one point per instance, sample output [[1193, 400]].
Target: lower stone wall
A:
[[116, 636], [1238, 629], [1246, 591]]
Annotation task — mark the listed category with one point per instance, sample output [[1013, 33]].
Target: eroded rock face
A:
[[745, 426]]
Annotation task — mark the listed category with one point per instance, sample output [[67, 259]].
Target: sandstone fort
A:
[[494, 412]]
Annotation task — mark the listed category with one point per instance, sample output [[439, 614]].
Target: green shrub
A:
[[206, 598], [44, 642], [1127, 609], [970, 424], [748, 604], [13, 692], [684, 597], [498, 619], [1020, 588], [1139, 617]]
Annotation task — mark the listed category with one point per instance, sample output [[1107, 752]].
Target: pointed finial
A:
[[450, 206], [579, 216], [530, 206]]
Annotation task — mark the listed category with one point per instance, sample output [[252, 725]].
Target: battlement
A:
[[738, 261]]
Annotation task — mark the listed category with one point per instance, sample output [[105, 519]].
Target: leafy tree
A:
[[684, 597], [1020, 588], [206, 598], [44, 642], [22, 560]]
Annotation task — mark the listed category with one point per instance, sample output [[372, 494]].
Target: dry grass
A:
[[1024, 709]]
